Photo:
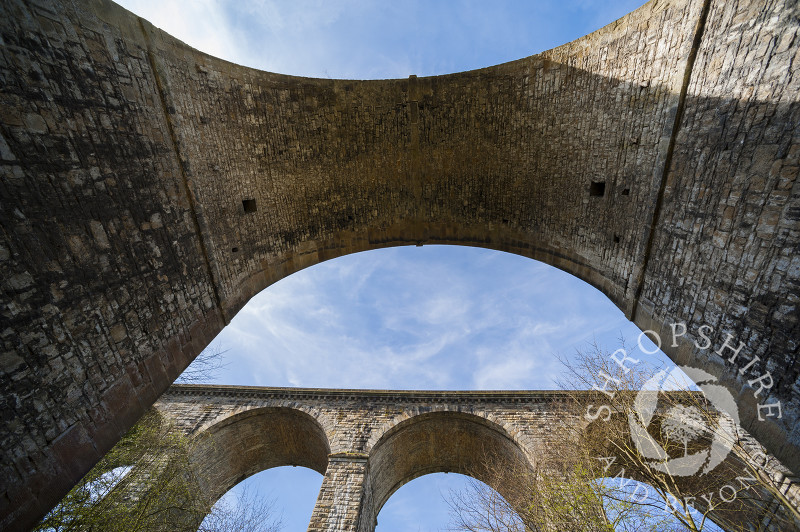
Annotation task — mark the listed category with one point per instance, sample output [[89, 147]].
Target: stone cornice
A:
[[427, 396]]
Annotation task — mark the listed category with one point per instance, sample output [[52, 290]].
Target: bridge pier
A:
[[344, 496]]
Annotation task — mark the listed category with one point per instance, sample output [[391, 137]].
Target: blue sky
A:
[[435, 317], [372, 39]]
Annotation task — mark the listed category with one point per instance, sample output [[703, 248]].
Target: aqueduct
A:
[[149, 190]]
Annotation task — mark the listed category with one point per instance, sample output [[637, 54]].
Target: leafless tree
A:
[[605, 472], [206, 366], [248, 512]]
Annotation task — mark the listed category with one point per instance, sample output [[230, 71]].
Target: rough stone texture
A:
[[105, 294], [246, 444], [340, 497], [369, 443], [725, 249], [149, 190]]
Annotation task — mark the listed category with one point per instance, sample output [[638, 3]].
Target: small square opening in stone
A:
[[597, 188], [616, 239], [249, 205], [626, 192]]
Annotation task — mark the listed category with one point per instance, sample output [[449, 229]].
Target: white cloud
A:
[[408, 319], [363, 39], [201, 24], [513, 373], [301, 16], [302, 37], [445, 318]]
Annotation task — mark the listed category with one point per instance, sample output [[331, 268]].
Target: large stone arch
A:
[[224, 451], [255, 440], [213, 422], [435, 442], [655, 158]]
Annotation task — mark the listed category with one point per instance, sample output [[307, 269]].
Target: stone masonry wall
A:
[[726, 242], [481, 158], [105, 293], [149, 191], [377, 441]]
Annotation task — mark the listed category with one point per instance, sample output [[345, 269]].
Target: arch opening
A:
[[279, 498], [439, 442], [249, 442], [437, 317], [436, 501]]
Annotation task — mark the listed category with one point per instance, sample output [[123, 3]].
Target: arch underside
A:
[[256, 440], [236, 446], [440, 442], [152, 190]]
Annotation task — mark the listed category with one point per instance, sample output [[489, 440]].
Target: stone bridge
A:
[[148, 191], [369, 443]]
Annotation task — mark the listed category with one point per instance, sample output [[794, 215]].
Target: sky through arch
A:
[[370, 39], [435, 317]]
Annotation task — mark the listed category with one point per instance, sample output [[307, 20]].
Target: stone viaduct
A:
[[369, 443], [148, 191], [366, 443]]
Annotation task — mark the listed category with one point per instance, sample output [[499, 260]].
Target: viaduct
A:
[[369, 443], [148, 191]]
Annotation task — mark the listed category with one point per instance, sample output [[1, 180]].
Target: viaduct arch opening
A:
[[436, 317], [439, 442], [249, 442], [130, 244]]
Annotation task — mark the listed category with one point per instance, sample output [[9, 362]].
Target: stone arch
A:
[[120, 206], [224, 417], [522, 440], [437, 442], [248, 442]]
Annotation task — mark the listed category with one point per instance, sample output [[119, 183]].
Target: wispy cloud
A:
[[202, 24], [361, 39], [417, 318]]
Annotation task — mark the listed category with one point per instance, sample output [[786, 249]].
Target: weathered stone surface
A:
[[147, 191], [369, 443]]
